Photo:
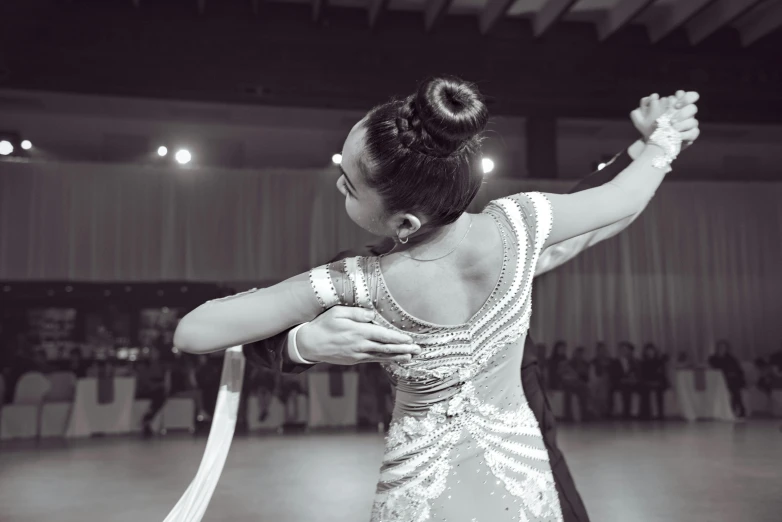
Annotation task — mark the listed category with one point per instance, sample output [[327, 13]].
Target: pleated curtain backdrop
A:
[[703, 262]]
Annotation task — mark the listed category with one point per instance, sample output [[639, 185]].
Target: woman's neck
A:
[[429, 243]]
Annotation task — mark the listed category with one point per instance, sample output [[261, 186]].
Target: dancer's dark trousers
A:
[[573, 509]]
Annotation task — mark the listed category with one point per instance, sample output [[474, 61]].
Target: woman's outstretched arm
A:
[[248, 317], [621, 198], [630, 191]]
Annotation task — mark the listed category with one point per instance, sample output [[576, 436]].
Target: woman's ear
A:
[[408, 225]]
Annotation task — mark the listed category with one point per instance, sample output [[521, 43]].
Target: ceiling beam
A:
[[717, 15], [318, 6], [741, 85], [256, 6], [435, 11], [760, 22], [620, 15], [551, 12], [376, 8], [201, 6], [493, 12], [676, 15]]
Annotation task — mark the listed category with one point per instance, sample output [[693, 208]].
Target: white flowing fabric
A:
[[192, 506]]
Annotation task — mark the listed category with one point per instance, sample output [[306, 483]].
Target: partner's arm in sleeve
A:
[[273, 353], [594, 208], [628, 193], [559, 254]]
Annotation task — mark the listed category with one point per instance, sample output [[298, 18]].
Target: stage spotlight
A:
[[183, 156], [6, 148], [162, 151], [601, 166], [336, 159], [487, 164], [27, 145]]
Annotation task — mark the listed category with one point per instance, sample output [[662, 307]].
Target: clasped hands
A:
[[683, 119]]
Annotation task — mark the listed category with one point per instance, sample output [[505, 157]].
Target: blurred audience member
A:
[[571, 380], [541, 354], [41, 361], [249, 387], [580, 363], [601, 383], [151, 384], [624, 379], [19, 360], [775, 360], [558, 357], [769, 379], [724, 360], [101, 368], [268, 383], [208, 378], [75, 364], [183, 383], [653, 373], [375, 395], [291, 388], [683, 359]]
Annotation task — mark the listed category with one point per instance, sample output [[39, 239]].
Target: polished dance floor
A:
[[672, 472]]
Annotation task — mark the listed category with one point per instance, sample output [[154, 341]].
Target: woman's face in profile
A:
[[362, 203]]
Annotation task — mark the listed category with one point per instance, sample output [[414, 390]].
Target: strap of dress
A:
[[341, 283], [323, 286], [544, 219], [529, 213], [355, 273]]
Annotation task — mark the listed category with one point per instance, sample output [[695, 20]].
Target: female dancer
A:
[[463, 444]]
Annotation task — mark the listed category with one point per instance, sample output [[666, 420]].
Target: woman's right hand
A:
[[644, 118]]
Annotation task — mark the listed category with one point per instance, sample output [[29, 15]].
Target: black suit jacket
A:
[[273, 352], [620, 376]]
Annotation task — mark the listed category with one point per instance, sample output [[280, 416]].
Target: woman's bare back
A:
[[451, 290]]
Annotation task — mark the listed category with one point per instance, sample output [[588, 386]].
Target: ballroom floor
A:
[[669, 472]]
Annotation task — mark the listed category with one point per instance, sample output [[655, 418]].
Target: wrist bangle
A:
[[293, 349], [668, 139]]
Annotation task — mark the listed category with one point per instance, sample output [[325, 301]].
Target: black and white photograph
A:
[[391, 260]]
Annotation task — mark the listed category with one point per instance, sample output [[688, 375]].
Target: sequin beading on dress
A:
[[463, 443]]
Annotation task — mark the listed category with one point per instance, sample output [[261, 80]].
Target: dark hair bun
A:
[[444, 115]]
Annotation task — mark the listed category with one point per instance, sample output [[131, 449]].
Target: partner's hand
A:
[[652, 107], [684, 119], [345, 335]]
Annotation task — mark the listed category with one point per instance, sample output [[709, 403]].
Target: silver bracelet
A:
[[667, 138], [293, 348]]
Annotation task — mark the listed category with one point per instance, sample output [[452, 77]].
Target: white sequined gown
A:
[[463, 445]]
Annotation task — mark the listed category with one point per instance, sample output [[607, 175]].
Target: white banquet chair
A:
[[57, 404], [19, 420]]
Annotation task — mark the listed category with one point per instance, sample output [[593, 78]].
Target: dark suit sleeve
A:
[[600, 177], [272, 353]]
